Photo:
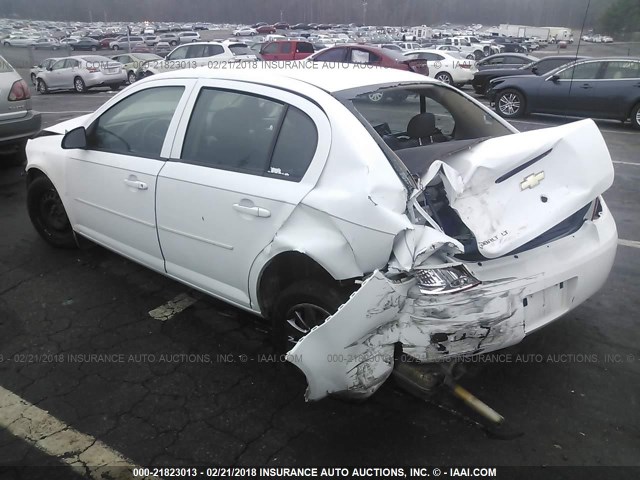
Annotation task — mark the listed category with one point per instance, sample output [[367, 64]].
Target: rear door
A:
[[620, 88], [242, 161]]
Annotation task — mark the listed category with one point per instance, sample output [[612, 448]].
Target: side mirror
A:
[[49, 69], [534, 70], [555, 78], [76, 138]]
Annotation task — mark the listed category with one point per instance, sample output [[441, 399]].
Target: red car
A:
[[266, 29], [286, 50], [369, 55], [105, 42]]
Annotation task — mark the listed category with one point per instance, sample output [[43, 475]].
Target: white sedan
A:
[[245, 32], [359, 229], [448, 67]]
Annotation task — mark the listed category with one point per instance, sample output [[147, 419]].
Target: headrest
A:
[[422, 125]]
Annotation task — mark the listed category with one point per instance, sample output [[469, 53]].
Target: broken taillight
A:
[[19, 91], [597, 209], [434, 281]]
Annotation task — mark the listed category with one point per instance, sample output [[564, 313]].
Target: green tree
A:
[[621, 18]]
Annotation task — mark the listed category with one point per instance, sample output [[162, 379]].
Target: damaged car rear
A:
[[423, 224]]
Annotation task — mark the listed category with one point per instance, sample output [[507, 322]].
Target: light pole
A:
[[364, 12]]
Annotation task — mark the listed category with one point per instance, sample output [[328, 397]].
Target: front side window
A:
[[138, 124], [58, 65], [178, 54], [272, 48], [333, 55], [232, 131]]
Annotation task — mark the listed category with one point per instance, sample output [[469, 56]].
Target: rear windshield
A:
[[5, 66]]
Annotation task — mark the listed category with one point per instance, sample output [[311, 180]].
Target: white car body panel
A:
[[451, 65], [350, 213]]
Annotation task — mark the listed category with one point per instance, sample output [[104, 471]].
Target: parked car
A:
[[266, 29], [286, 50], [373, 56], [188, 37], [106, 42], [509, 46], [245, 32], [171, 38], [406, 46], [85, 43], [35, 70], [278, 192], [449, 68], [132, 63], [18, 41], [482, 78], [151, 40], [203, 54], [162, 49], [599, 88], [81, 73], [282, 26], [505, 60], [46, 44], [467, 52], [124, 42], [18, 121]]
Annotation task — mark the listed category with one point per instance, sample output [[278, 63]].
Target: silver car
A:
[[18, 121], [81, 73], [41, 67], [124, 42]]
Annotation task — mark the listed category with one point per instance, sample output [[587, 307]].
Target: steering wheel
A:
[[116, 136], [154, 132]]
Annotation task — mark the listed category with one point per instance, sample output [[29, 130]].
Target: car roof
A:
[[327, 76]]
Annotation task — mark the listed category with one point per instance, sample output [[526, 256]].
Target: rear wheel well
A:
[[288, 268]]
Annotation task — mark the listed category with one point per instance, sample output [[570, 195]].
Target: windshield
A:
[[241, 49]]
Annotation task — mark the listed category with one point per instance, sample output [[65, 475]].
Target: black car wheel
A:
[[94, 48], [42, 87], [510, 104], [300, 307], [48, 215], [635, 117], [78, 85]]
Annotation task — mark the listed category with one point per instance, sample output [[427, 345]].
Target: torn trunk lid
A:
[[509, 190]]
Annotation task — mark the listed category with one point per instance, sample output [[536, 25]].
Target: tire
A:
[[444, 77], [173, 43], [471, 56], [42, 87], [72, 47], [78, 85], [48, 215], [312, 299], [131, 77], [114, 88], [635, 117], [115, 47], [33, 79], [94, 48], [7, 44], [478, 54], [510, 104]]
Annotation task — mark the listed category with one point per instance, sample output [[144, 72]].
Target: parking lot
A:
[[202, 387]]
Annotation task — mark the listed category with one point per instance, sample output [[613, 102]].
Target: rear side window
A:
[[333, 55], [240, 49], [295, 147], [304, 47], [622, 70], [232, 131]]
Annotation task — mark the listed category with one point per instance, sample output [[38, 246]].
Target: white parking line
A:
[[628, 243], [172, 307], [80, 451], [626, 163]]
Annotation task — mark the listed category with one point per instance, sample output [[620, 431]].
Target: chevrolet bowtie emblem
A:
[[532, 181]]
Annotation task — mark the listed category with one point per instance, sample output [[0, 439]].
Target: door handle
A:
[[255, 211], [586, 86], [135, 184]]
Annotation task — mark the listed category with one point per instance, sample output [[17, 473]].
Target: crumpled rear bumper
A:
[[352, 353]]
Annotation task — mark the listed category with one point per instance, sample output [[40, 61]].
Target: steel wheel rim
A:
[[509, 104], [301, 318], [444, 78], [52, 211]]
